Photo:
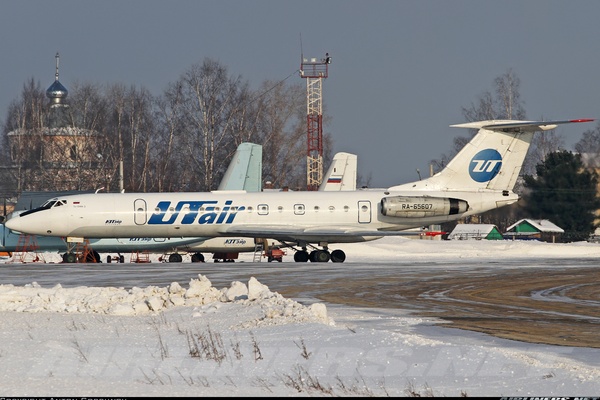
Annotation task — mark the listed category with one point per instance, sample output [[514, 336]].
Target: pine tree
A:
[[565, 193]]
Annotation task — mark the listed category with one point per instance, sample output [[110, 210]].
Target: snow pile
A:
[[152, 299]]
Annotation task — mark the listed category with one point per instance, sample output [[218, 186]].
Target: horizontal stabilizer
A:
[[529, 126]]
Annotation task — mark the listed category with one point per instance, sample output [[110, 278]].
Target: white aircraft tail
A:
[[245, 169], [492, 159], [341, 175]]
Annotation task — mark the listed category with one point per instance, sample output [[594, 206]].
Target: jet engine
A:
[[421, 206]]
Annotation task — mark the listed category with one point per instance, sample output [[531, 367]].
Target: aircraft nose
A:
[[12, 222]]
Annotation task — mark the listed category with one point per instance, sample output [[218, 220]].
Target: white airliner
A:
[[479, 178]]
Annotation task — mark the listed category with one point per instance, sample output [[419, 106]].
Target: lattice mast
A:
[[314, 71]]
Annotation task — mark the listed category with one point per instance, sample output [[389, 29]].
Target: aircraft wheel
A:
[[92, 257], [338, 256], [197, 257], [108, 259], [175, 258], [122, 259], [322, 256], [69, 258], [301, 256]]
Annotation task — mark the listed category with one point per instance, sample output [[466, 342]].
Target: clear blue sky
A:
[[401, 70]]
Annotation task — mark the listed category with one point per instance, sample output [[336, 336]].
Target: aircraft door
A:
[[364, 212], [139, 205]]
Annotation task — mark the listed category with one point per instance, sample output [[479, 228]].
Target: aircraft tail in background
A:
[[341, 175], [245, 169]]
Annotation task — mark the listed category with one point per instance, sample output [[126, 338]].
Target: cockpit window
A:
[[47, 205]]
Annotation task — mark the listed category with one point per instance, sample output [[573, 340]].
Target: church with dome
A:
[[57, 154]]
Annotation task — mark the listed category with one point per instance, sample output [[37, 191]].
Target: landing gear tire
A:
[[197, 257], [338, 256], [69, 258], [175, 258], [92, 257], [301, 256], [319, 256], [119, 259]]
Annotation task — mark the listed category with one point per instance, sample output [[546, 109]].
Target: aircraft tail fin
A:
[[341, 175], [245, 169], [492, 159]]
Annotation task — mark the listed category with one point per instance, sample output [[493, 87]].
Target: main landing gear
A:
[[177, 257], [119, 259], [318, 255]]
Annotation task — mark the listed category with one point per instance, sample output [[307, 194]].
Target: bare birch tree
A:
[[24, 124], [589, 147], [283, 133], [211, 103], [166, 142], [129, 129]]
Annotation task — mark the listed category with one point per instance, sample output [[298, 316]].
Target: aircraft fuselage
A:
[[214, 214]]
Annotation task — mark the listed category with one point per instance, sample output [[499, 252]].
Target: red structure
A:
[[314, 71]]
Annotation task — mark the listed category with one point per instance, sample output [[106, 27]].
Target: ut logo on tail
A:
[[485, 165]]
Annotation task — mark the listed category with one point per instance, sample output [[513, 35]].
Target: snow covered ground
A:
[[193, 339]]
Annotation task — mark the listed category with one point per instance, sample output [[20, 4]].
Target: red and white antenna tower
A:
[[314, 71]]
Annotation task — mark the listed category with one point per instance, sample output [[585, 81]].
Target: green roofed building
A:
[[539, 229]]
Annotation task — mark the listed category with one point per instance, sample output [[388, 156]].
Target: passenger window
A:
[[299, 209], [263, 209]]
